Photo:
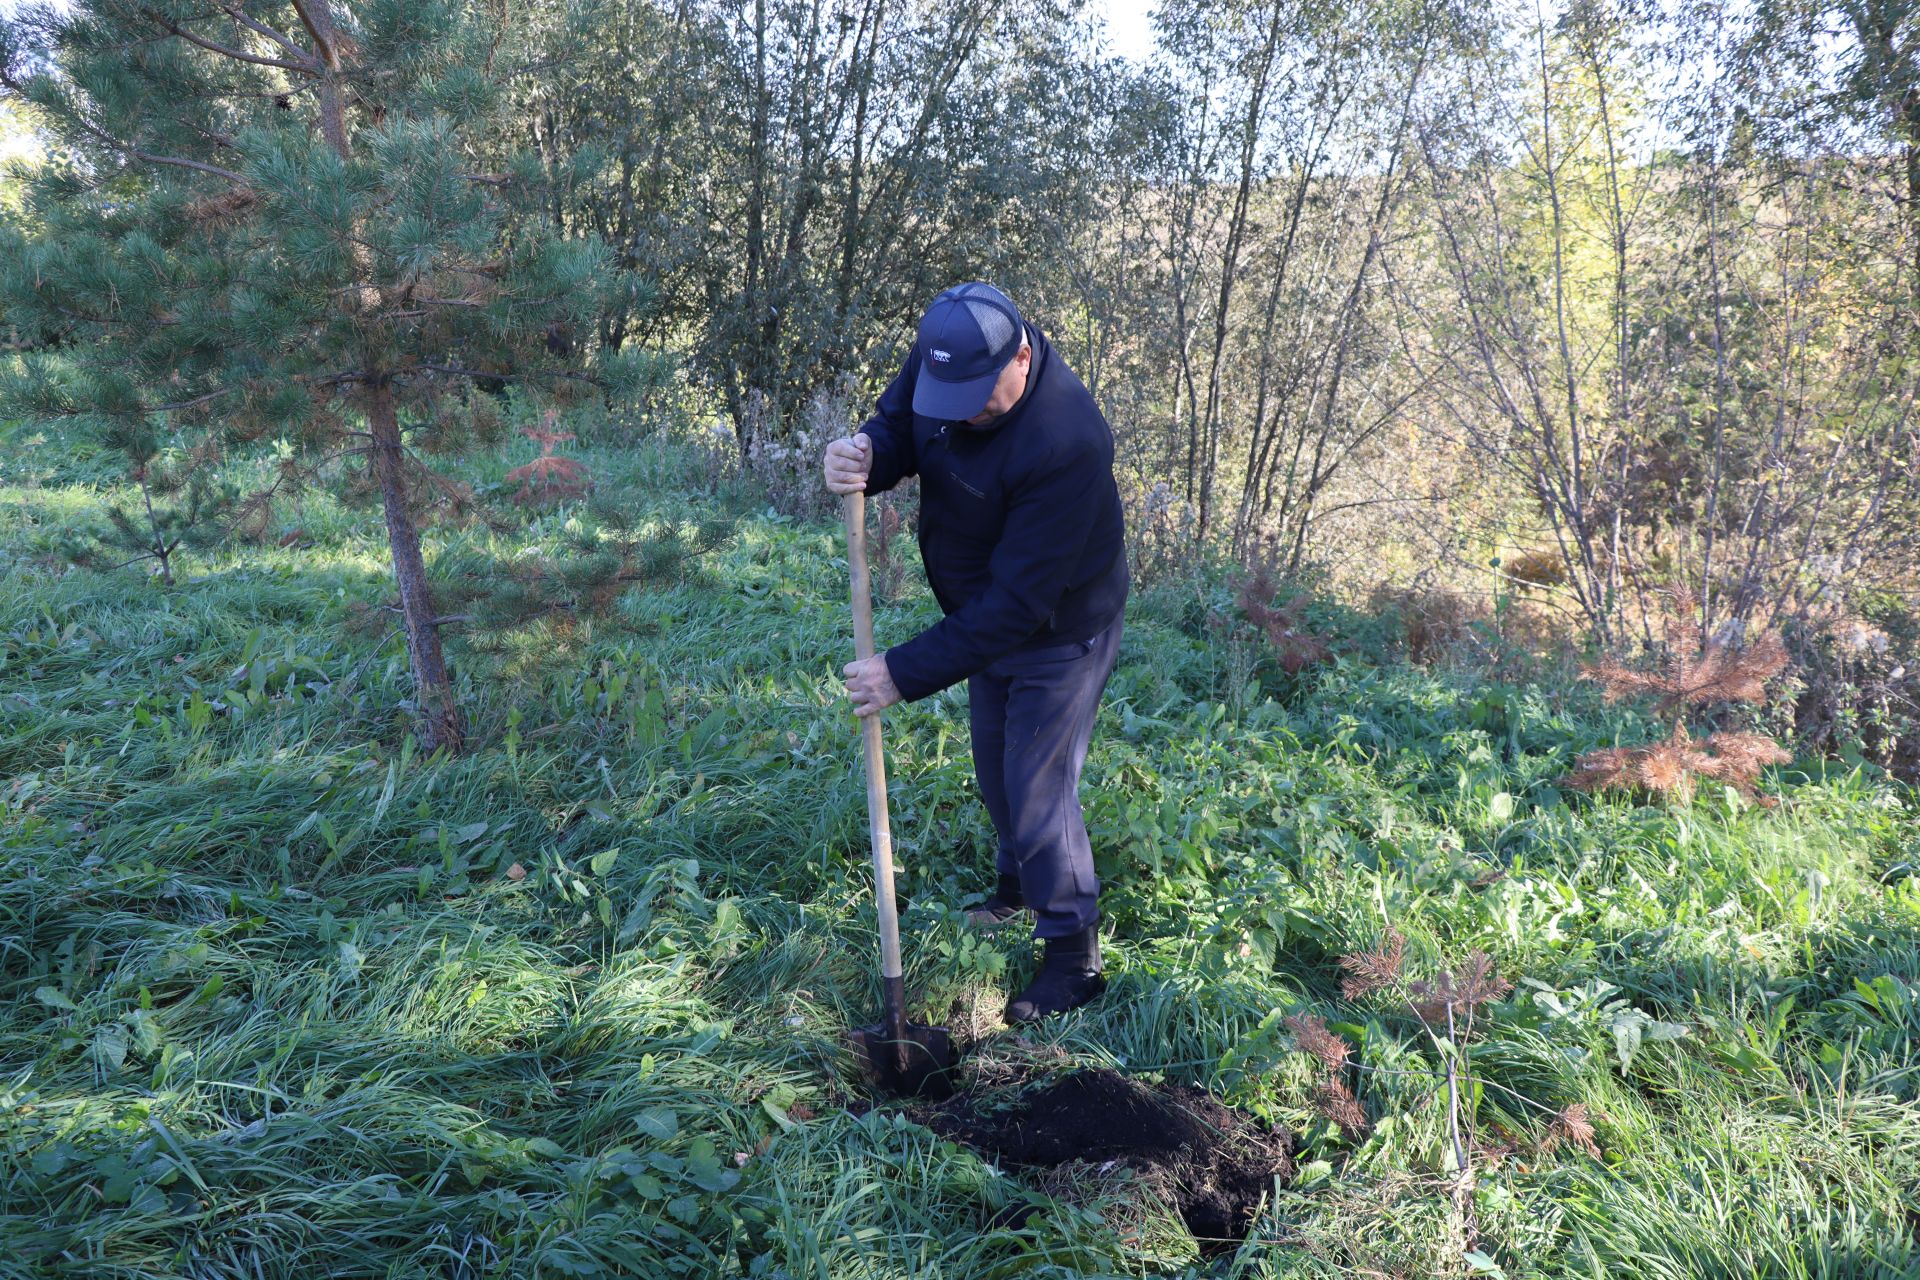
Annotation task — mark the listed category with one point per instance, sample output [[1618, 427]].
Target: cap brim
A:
[[951, 401]]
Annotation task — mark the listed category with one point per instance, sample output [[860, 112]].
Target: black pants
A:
[[1032, 717]]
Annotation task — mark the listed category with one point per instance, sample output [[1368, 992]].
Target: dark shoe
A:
[[1006, 904], [1069, 977]]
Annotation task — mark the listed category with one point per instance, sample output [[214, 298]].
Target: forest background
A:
[[1508, 313]]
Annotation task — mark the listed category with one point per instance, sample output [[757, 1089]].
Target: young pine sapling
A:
[[1698, 672]]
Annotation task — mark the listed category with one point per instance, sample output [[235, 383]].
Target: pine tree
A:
[[180, 503], [1697, 672], [296, 221], [549, 478]]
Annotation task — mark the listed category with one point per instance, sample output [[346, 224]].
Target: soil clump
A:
[[1212, 1162]]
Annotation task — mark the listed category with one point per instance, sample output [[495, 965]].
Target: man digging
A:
[[1021, 535]]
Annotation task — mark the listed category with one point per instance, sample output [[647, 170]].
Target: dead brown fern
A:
[[1294, 647], [1698, 671]]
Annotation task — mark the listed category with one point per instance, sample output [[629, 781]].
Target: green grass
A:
[[284, 998]]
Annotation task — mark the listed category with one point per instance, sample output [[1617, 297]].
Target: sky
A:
[[1129, 26]]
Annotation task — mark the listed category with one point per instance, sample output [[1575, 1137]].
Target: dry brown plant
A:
[[549, 478], [1450, 997], [887, 527], [1571, 1127], [1331, 1096], [223, 209], [1698, 671], [1370, 971], [1294, 647], [1432, 619], [1537, 568], [1310, 1034], [1494, 1144], [1332, 1099]]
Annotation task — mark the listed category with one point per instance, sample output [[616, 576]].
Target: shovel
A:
[[906, 1057]]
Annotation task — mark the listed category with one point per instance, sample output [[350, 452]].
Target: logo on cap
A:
[[940, 356]]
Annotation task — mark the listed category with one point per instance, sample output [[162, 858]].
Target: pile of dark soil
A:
[[1216, 1163]]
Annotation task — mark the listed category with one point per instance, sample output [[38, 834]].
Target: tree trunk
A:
[[753, 377], [1209, 434], [440, 722], [161, 551]]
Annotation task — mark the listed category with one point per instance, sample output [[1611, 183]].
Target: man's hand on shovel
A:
[[870, 685]]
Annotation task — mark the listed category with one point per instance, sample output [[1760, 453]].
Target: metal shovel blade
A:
[[918, 1065]]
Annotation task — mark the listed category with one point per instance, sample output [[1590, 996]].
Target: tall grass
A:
[[284, 998]]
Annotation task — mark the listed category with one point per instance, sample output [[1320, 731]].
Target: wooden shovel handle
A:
[[879, 830]]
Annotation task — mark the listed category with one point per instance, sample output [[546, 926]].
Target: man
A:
[[1021, 535]]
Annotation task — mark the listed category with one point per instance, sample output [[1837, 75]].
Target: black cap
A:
[[968, 335]]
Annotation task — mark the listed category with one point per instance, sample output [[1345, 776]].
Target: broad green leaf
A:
[[658, 1122], [110, 1047]]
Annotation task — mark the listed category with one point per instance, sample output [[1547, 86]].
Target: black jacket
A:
[[1020, 526]]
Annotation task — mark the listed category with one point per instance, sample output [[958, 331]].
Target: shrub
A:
[[1432, 620], [1856, 684]]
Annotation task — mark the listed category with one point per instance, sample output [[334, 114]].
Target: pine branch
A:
[[456, 371], [280, 38], [13, 82], [84, 318], [318, 20], [148, 157], [228, 51], [178, 405]]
